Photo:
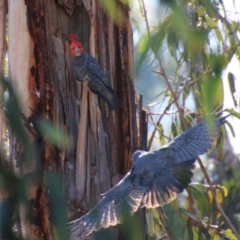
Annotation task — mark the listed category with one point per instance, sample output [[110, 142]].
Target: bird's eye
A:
[[77, 51]]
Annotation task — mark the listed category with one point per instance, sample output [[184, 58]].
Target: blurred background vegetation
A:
[[186, 64]]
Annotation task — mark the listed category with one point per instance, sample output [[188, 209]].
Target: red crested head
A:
[[76, 48]]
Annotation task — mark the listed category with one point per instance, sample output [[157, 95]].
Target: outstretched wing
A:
[[173, 163], [155, 179], [124, 198], [167, 183], [193, 142]]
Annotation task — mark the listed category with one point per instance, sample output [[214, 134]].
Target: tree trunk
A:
[[41, 72], [3, 48]]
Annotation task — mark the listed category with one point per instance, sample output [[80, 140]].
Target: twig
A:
[[155, 129], [161, 113], [161, 131], [205, 225], [163, 73], [81, 164], [145, 17], [168, 107]]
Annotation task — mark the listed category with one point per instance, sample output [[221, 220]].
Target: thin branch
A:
[[161, 113], [145, 17], [155, 129], [161, 131], [205, 225], [169, 105]]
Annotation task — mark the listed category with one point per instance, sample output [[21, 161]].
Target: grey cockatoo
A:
[[154, 180], [86, 67]]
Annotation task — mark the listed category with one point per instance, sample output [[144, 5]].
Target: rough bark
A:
[[3, 48], [41, 72]]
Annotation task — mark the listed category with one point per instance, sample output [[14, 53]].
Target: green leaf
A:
[[225, 190], [172, 42], [231, 82], [159, 37], [219, 196], [153, 222], [199, 197], [231, 128], [53, 134], [161, 134], [214, 235], [234, 113], [174, 129], [201, 11], [210, 22], [210, 195], [220, 146], [154, 42], [218, 34], [229, 234], [143, 43], [212, 93], [175, 220], [113, 9], [57, 203]]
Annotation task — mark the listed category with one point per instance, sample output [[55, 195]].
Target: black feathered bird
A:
[[86, 67], [154, 180]]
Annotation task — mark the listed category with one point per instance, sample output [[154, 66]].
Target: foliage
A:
[[199, 40], [15, 186]]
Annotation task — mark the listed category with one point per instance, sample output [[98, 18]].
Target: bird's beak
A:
[[77, 51]]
